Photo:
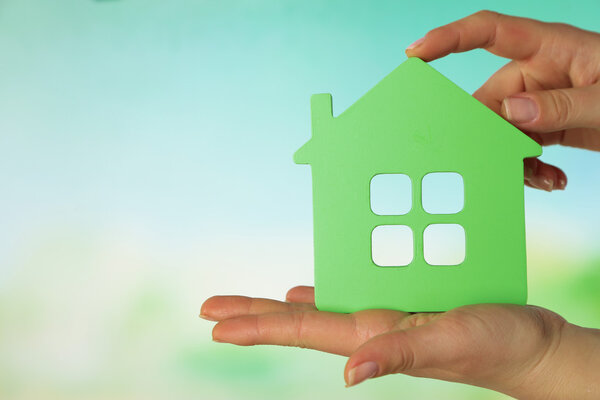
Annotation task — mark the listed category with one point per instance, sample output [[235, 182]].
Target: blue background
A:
[[146, 164]]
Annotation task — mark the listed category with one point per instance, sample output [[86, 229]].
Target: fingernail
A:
[[415, 44], [562, 183], [528, 172], [362, 372], [520, 109], [542, 182], [206, 317]]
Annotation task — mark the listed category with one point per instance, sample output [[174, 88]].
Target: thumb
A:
[[410, 351], [554, 110]]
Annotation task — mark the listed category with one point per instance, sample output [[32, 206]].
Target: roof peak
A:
[[416, 98]]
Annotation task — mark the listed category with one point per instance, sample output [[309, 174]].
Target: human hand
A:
[[524, 351], [550, 89]]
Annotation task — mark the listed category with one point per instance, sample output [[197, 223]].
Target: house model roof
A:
[[414, 108]]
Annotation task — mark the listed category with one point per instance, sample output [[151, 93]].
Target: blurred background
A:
[[146, 164]]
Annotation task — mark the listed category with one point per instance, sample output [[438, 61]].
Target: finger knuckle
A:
[[404, 354], [595, 122], [561, 108], [466, 325], [486, 14], [547, 323], [440, 32], [299, 324], [360, 335], [407, 360], [549, 327]]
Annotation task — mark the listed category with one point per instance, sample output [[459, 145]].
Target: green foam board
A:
[[416, 122]]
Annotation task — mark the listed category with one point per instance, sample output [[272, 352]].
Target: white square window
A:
[[443, 193], [391, 194], [392, 245], [444, 244]]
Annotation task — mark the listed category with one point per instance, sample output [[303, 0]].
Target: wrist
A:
[[568, 369]]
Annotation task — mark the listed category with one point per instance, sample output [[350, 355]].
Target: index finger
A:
[[506, 36]]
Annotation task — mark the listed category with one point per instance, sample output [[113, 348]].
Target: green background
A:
[[146, 164]]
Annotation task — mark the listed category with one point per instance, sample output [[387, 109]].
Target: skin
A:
[[556, 66], [526, 352]]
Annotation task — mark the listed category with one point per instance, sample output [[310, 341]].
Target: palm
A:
[[468, 341]]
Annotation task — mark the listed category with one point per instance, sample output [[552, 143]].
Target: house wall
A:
[[494, 269], [416, 121]]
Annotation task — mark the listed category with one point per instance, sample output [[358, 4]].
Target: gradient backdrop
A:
[[146, 164]]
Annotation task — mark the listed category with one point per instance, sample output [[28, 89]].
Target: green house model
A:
[[414, 130]]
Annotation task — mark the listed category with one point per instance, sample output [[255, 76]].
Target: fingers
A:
[[554, 110], [248, 321], [505, 82], [543, 176], [511, 37], [578, 137], [329, 332], [324, 331], [218, 308], [301, 294]]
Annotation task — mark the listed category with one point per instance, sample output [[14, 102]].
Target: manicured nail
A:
[[416, 44], [542, 182], [528, 172], [206, 317], [362, 372], [520, 109]]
